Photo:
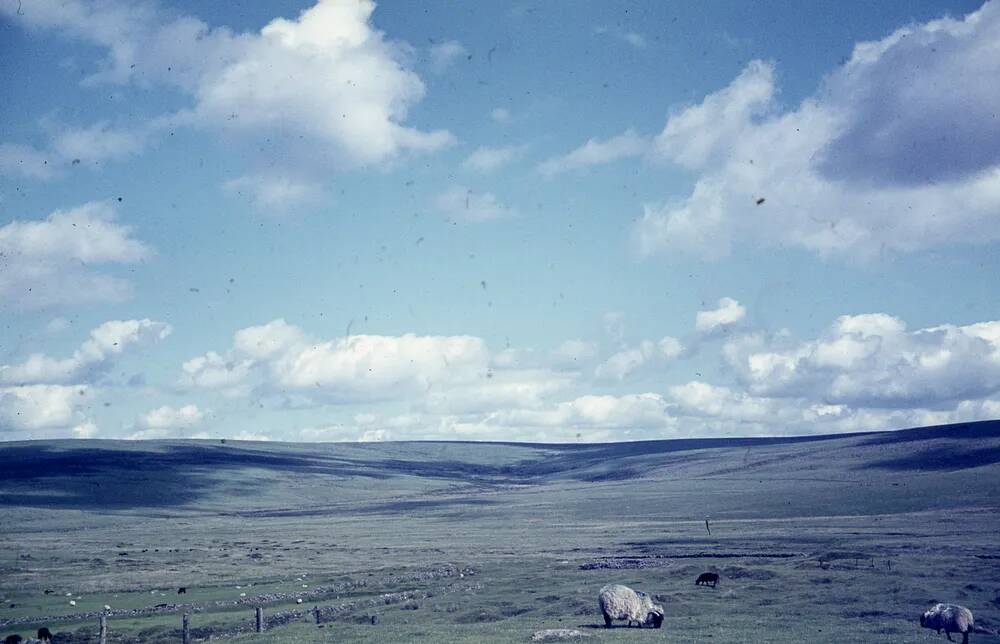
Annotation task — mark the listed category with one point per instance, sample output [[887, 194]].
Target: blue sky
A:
[[517, 221]]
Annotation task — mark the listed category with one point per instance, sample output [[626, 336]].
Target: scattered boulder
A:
[[557, 635], [621, 563]]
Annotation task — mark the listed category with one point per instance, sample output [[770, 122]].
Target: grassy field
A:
[[830, 539]]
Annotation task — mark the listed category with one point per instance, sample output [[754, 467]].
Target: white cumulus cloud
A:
[[53, 261], [633, 38], [96, 143], [589, 418], [19, 160], [274, 194], [624, 363], [42, 407], [443, 373], [327, 77], [858, 169], [167, 422], [873, 360], [727, 314], [93, 358], [167, 417], [459, 203], [444, 54], [597, 152], [70, 146], [486, 159]]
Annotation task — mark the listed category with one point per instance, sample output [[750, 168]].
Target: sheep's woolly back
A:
[[621, 602], [949, 617]]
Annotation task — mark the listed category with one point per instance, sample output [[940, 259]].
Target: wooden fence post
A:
[[103, 629], [260, 619], [316, 613], [186, 629]]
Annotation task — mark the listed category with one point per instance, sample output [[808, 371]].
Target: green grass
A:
[[355, 522]]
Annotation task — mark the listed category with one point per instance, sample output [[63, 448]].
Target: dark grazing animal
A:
[[707, 579], [45, 634], [182, 590], [13, 639]]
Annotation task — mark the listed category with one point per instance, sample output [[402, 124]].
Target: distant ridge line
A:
[[745, 441], [972, 429]]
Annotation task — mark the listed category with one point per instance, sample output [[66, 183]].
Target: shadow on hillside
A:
[[604, 461], [941, 459], [960, 431], [392, 508], [172, 475], [597, 462], [120, 476], [91, 478], [586, 463], [950, 449]]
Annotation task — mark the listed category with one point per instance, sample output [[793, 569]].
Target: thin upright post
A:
[[260, 619], [186, 629], [103, 629]]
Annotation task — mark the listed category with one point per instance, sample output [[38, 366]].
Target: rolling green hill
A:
[[856, 533]]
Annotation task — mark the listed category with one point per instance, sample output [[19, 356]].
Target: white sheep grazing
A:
[[621, 602], [949, 618]]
